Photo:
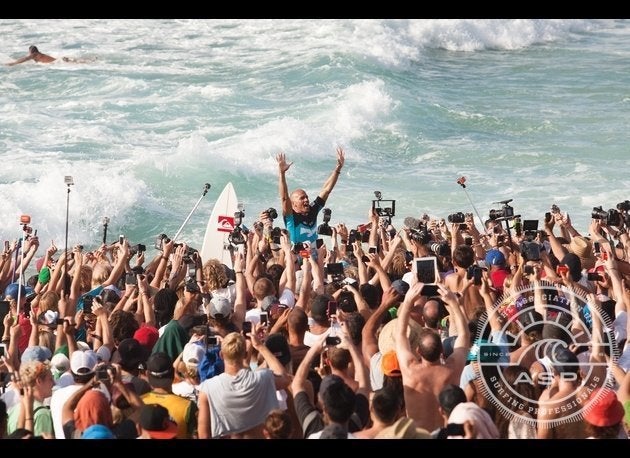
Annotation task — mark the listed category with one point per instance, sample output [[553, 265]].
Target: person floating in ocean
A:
[[300, 216], [40, 57]]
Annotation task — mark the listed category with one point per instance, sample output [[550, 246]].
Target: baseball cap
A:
[[98, 432], [12, 290], [160, 366], [132, 354], [193, 354], [36, 353], [59, 364], [147, 336], [494, 257], [83, 362], [155, 420], [389, 364], [279, 346], [604, 409], [220, 306]]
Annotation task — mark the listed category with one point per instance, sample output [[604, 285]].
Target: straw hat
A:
[[583, 248]]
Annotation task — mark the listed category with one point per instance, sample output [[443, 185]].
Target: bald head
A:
[[299, 201], [431, 314]]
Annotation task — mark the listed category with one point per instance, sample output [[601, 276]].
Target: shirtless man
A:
[[424, 377], [34, 54], [39, 57]]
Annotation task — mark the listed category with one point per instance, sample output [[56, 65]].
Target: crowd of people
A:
[[354, 337]]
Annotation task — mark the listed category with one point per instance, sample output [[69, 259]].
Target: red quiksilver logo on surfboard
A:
[[225, 224]]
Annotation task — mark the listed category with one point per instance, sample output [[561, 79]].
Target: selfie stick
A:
[[462, 182], [206, 187], [105, 223], [69, 182], [20, 278]]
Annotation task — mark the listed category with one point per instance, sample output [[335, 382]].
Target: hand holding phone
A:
[[332, 308], [247, 328]]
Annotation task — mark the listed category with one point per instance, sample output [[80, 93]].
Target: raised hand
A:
[[284, 165], [341, 158]]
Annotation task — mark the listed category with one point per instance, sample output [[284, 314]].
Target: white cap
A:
[[192, 354], [220, 306], [83, 362], [103, 354]]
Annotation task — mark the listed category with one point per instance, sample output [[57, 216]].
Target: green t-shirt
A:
[[42, 419]]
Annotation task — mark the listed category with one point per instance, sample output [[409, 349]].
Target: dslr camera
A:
[[505, 212], [624, 206], [238, 234], [271, 213], [138, 248], [455, 218], [611, 217], [324, 228], [440, 249]]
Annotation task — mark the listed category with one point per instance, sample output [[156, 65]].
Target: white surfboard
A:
[[220, 224]]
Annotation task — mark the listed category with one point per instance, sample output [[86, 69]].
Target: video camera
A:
[[324, 228], [503, 213], [611, 217], [384, 208]]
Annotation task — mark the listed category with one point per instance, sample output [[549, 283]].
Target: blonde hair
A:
[[233, 347], [49, 301], [214, 274], [31, 371], [187, 370], [100, 274], [46, 338], [86, 278]]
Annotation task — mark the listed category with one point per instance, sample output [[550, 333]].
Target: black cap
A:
[[132, 354], [160, 366], [279, 346]]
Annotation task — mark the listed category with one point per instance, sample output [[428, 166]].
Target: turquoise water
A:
[[533, 110]]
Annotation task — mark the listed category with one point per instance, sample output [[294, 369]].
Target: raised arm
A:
[[283, 166], [20, 60], [332, 179]]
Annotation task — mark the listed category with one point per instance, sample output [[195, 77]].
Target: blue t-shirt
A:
[[303, 228]]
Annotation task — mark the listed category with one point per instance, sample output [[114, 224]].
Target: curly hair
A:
[[278, 424], [214, 274], [32, 370], [123, 325], [398, 264]]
